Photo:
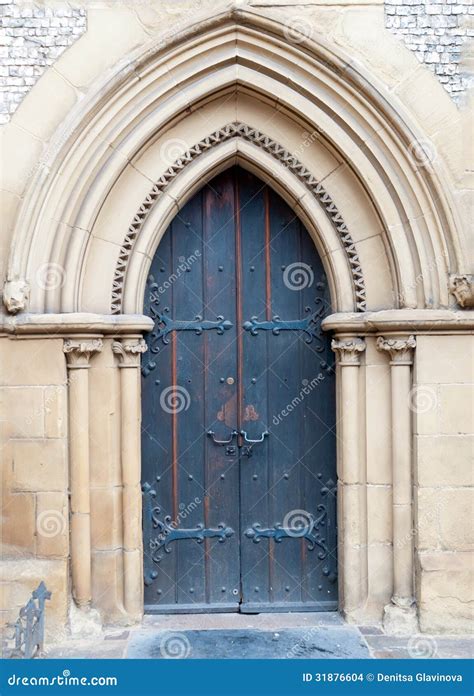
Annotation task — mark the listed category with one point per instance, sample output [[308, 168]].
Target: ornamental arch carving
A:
[[332, 119]]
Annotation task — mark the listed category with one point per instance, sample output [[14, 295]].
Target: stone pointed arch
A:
[[282, 156], [403, 225]]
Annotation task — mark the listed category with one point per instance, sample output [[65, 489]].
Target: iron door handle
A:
[[211, 433], [254, 442]]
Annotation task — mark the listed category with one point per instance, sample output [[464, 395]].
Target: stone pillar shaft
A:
[[351, 477], [400, 616], [128, 351], [78, 352]]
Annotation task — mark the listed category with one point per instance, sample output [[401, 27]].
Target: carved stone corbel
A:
[[78, 354], [462, 287], [16, 295]]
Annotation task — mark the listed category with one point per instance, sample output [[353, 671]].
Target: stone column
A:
[[129, 350], [351, 483], [78, 352], [400, 615]]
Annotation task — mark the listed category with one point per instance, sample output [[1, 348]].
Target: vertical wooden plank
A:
[[255, 472], [221, 383]]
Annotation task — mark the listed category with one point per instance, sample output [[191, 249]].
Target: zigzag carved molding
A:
[[239, 130]]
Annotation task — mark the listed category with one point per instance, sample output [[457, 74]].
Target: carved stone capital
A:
[[348, 350], [400, 349], [16, 294], [129, 351], [462, 287], [79, 351]]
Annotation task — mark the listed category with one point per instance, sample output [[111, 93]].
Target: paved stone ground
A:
[[274, 636]]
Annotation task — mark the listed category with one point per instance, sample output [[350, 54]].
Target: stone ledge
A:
[[396, 320], [54, 325]]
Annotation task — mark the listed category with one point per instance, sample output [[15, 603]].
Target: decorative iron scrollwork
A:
[[164, 325], [311, 326], [168, 531], [29, 627], [309, 531]]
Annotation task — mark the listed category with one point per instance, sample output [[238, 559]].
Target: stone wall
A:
[[437, 31], [35, 526], [444, 439], [32, 37]]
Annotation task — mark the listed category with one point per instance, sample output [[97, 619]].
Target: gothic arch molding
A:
[[282, 156], [368, 137]]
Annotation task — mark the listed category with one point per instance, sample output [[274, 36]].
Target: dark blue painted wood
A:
[[238, 293]]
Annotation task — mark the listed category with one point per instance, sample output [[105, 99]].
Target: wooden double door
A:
[[238, 410]]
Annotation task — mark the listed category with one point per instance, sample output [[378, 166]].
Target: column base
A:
[[400, 620]]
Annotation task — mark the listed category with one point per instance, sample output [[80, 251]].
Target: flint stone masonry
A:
[[32, 38], [436, 31]]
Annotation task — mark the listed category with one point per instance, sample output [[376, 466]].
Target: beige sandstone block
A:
[[32, 362], [442, 359], [362, 31], [106, 518], [22, 151], [378, 285], [98, 275], [104, 430], [424, 403], [22, 410], [428, 101], [18, 539], [456, 519], [39, 465], [107, 583], [52, 524], [379, 514], [55, 411], [25, 576], [111, 33], [446, 460], [456, 408], [46, 105], [428, 502], [380, 580], [445, 592], [378, 424]]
